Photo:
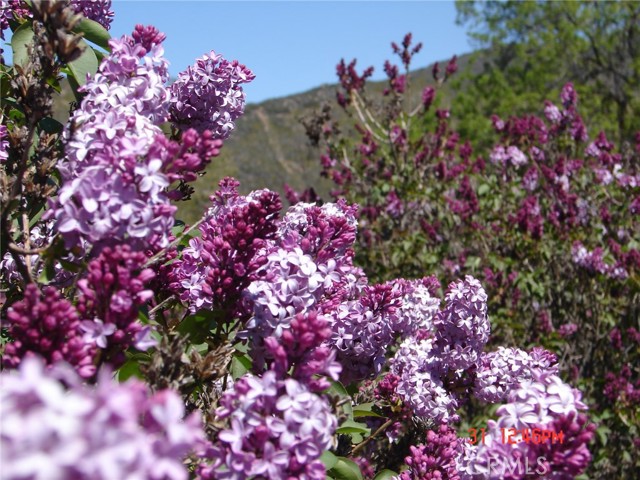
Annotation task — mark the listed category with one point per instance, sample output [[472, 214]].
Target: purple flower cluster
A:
[[111, 431], [114, 287], [277, 429], [209, 96], [462, 327], [436, 459], [302, 349], [499, 372], [309, 267], [96, 10], [46, 324], [438, 365], [593, 261], [543, 402], [508, 156], [112, 189], [364, 329], [217, 267], [423, 383]]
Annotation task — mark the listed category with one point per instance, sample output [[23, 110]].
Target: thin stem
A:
[[162, 304], [158, 256], [382, 428]]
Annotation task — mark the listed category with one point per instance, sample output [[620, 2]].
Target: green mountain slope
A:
[[269, 147]]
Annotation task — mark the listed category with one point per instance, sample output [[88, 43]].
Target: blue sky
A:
[[294, 46]]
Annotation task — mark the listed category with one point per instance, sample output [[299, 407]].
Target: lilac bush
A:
[[250, 344]]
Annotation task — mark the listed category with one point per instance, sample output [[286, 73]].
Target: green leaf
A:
[[346, 469], [94, 32], [349, 426], [50, 125], [21, 38], [240, 364], [87, 62], [329, 459], [385, 474], [482, 189], [365, 410], [337, 389], [130, 369]]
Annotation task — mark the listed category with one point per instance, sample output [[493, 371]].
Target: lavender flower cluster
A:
[[108, 431], [209, 95], [216, 267], [96, 10], [108, 195], [278, 429], [543, 402]]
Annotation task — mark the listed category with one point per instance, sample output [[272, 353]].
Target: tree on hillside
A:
[[535, 47]]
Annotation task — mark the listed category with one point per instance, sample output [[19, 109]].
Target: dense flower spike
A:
[[436, 459], [113, 190], [111, 293], [208, 95], [422, 383], [499, 372], [48, 325], [216, 268], [277, 429], [111, 431], [462, 328]]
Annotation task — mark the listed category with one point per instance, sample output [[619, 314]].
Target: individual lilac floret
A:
[[96, 10], [277, 429], [436, 459], [47, 325], [215, 269], [462, 327], [113, 289], [208, 95], [105, 432]]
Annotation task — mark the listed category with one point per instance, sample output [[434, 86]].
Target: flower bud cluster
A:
[[113, 289], [435, 459], [46, 324], [218, 266]]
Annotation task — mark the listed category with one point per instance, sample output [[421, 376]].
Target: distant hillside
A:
[[269, 147]]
